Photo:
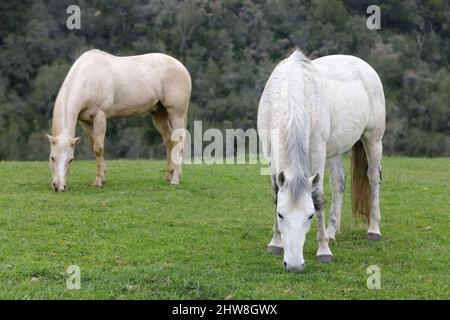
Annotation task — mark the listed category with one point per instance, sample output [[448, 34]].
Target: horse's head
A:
[[294, 215], [62, 150]]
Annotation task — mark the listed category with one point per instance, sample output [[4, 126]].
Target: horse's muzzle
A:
[[292, 268], [59, 188]]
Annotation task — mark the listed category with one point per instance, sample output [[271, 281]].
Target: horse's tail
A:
[[361, 193]]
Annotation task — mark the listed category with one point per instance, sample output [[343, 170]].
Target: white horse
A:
[[319, 109], [101, 86]]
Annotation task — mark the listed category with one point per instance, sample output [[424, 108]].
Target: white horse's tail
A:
[[361, 192]]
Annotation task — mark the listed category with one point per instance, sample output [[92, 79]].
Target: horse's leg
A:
[[161, 122], [275, 246], [99, 131], [374, 147], [177, 120], [318, 160], [88, 128], [337, 184]]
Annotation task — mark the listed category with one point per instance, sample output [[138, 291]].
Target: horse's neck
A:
[[65, 115]]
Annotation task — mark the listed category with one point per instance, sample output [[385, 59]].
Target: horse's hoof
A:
[[275, 250], [97, 184], [325, 258], [174, 183], [169, 176], [373, 236]]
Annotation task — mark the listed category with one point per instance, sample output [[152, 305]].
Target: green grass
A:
[[139, 238]]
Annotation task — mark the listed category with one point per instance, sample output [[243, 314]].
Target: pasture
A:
[[140, 238]]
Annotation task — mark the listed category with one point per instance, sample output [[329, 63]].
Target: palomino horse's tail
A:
[[361, 193]]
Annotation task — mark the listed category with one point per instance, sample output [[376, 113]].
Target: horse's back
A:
[[148, 67], [129, 85], [354, 96], [353, 72], [167, 77]]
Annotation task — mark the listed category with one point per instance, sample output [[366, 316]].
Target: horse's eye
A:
[[279, 215], [53, 159], [311, 216]]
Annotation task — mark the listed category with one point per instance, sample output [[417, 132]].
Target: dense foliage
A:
[[230, 48]]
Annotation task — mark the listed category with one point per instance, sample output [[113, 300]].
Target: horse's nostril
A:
[[54, 185], [285, 264], [65, 187]]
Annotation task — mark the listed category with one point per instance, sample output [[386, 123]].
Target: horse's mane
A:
[[297, 129], [62, 102]]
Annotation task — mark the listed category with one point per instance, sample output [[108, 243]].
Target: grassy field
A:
[[139, 238]]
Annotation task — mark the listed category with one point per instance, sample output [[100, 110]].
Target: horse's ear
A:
[[75, 141], [51, 139], [281, 179], [314, 181]]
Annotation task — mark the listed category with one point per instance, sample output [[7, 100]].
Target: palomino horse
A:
[[101, 86], [319, 109]]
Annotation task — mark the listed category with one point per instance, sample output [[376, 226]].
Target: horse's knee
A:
[[318, 200], [168, 141], [374, 175], [98, 150]]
